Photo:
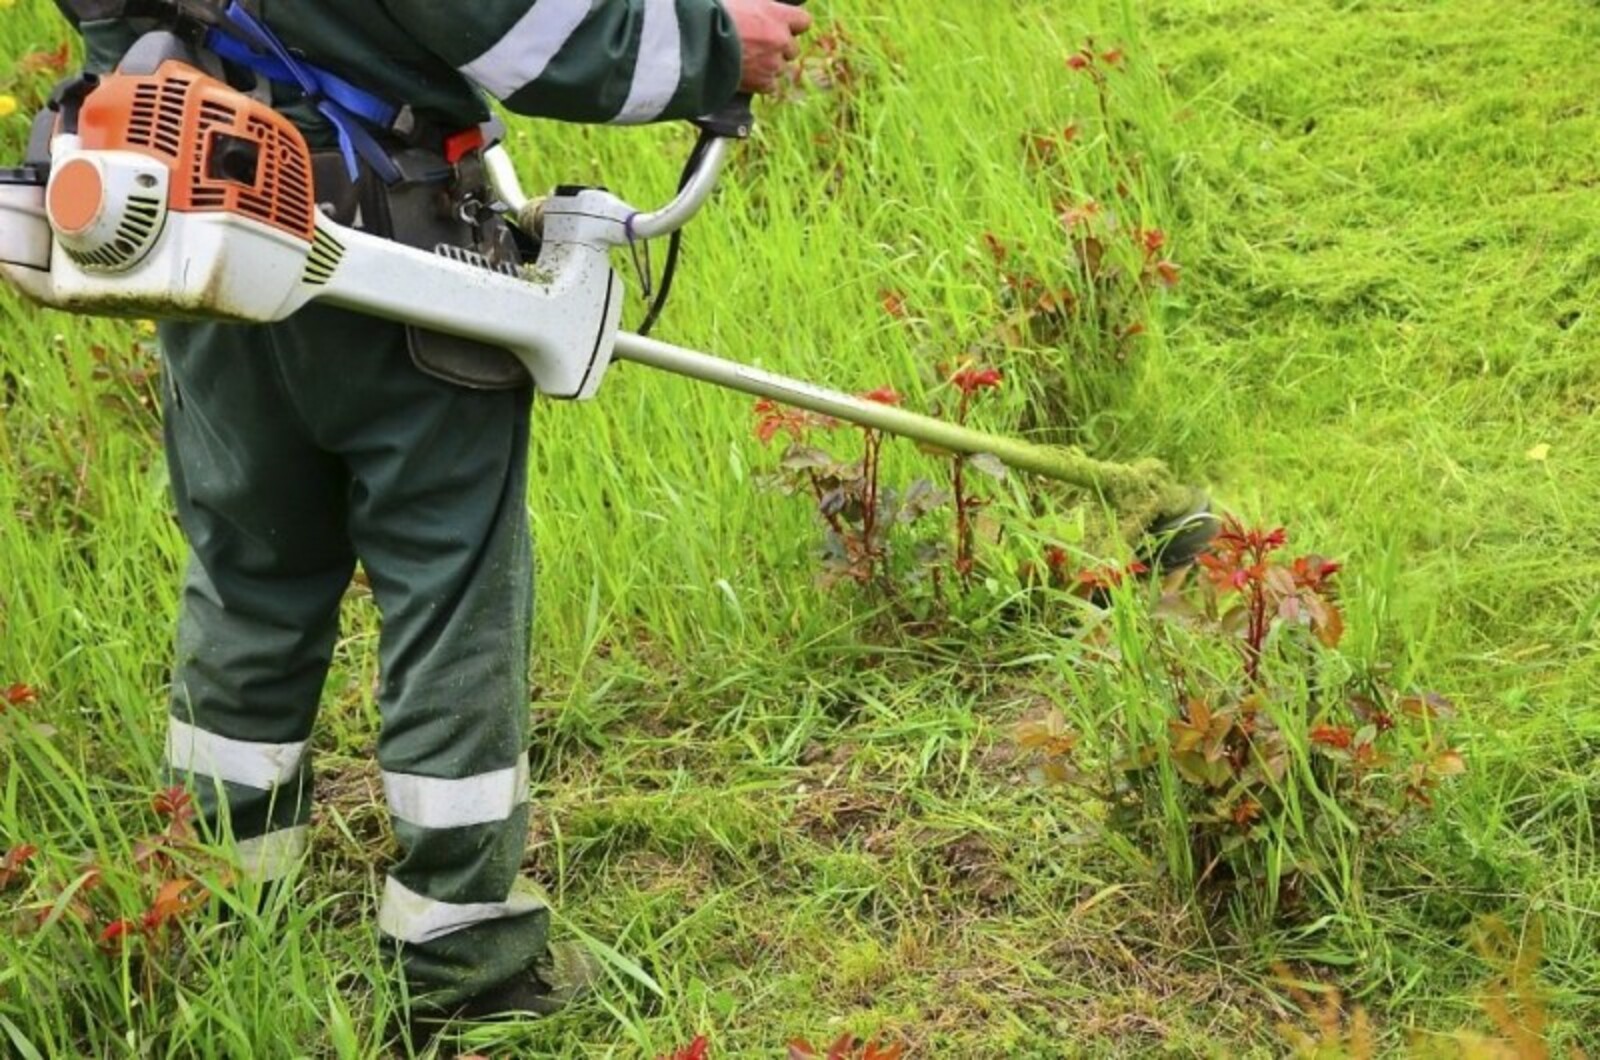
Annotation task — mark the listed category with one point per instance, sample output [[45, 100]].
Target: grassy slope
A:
[[1387, 237], [1397, 306]]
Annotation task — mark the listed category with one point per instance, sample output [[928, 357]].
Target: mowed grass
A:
[[804, 819]]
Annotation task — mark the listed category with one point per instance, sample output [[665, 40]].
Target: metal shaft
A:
[[1052, 462]]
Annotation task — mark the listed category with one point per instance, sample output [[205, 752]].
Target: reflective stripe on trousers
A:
[[414, 918], [270, 857], [262, 766], [436, 802]]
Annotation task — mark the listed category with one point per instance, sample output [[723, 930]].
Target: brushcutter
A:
[[166, 193]]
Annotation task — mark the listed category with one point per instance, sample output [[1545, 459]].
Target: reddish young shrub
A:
[[17, 695], [1227, 753], [13, 865], [860, 511], [847, 1047], [699, 1049]]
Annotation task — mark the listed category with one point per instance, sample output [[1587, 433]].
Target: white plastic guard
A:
[[24, 229]]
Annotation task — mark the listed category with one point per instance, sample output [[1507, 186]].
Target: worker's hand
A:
[[767, 33]]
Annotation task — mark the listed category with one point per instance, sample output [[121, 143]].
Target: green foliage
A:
[[1260, 759], [1514, 1001], [862, 516], [1382, 336]]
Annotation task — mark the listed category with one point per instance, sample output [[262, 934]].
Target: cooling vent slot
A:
[[285, 197], [204, 193], [141, 220], [282, 195], [156, 120], [326, 253], [188, 121], [476, 260]]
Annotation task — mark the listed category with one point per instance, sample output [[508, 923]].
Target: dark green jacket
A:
[[625, 61]]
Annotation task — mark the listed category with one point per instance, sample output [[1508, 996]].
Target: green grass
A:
[[809, 820]]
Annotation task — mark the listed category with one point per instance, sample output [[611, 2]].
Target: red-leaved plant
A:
[[699, 1049], [1090, 583], [859, 510], [970, 382], [17, 695], [1217, 759], [1073, 303], [13, 867], [850, 495], [829, 75], [1098, 294], [1243, 563], [164, 865], [846, 1047]]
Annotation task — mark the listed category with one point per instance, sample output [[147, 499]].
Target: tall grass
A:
[[807, 820]]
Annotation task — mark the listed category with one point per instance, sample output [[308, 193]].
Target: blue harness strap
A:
[[349, 109]]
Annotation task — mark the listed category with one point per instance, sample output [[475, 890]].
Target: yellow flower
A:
[[1539, 453], [8, 104]]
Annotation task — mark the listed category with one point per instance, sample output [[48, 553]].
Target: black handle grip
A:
[[735, 121], [66, 99], [732, 122]]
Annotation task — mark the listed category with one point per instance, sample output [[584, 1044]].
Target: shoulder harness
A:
[[228, 30]]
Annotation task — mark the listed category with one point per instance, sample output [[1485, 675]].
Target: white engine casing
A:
[[25, 236], [559, 317]]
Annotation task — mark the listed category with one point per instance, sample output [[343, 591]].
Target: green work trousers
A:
[[295, 451]]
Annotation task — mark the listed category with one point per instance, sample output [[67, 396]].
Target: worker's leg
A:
[[439, 519], [262, 508]]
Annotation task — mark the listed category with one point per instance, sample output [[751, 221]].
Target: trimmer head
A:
[[1175, 541]]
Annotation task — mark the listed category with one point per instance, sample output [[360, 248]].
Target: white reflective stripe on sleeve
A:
[[262, 766], [411, 917], [433, 802], [520, 57], [270, 857], [660, 64]]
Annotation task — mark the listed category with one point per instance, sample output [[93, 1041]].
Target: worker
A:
[[300, 449]]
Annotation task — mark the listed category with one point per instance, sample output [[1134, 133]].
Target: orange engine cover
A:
[[187, 119]]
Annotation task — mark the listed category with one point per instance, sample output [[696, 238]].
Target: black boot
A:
[[568, 974]]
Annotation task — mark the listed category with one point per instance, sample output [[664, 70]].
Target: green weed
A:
[[1382, 336], [1246, 746]]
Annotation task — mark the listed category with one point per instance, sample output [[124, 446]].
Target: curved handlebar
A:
[[718, 131], [696, 190], [502, 173]]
